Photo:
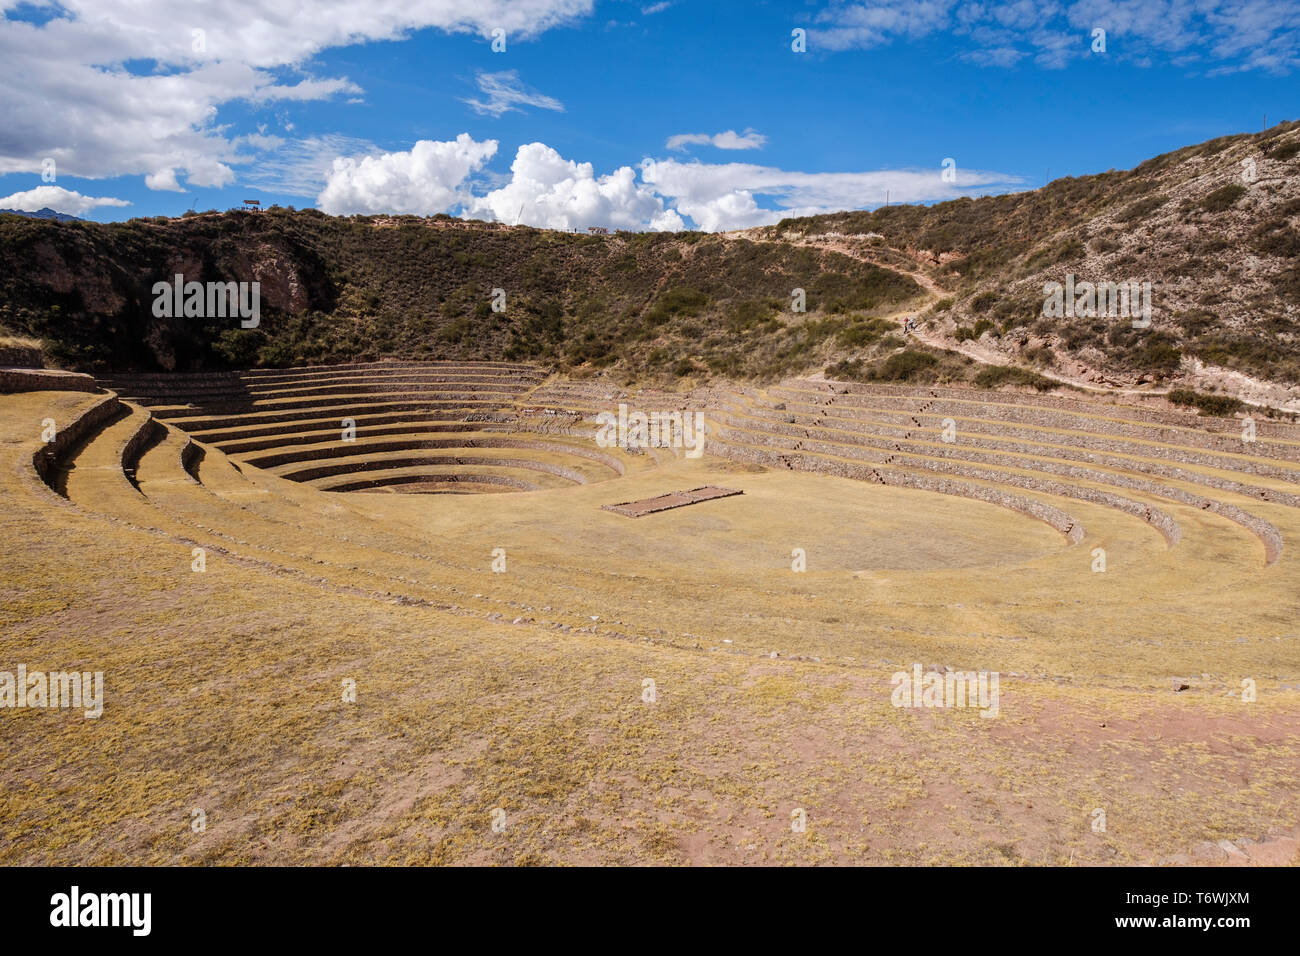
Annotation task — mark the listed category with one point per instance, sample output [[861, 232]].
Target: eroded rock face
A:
[[90, 287], [282, 286], [68, 271]]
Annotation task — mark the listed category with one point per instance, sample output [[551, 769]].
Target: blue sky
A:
[[625, 114]]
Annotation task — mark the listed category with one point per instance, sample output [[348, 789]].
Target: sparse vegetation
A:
[[1220, 405], [1225, 197], [999, 376]]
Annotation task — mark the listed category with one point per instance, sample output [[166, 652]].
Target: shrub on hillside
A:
[[853, 370], [679, 301], [998, 376], [905, 366], [1277, 239], [1218, 405], [1140, 209], [1157, 357], [862, 334], [1284, 151], [1225, 197], [1042, 355]]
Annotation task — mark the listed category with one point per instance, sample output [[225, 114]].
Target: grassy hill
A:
[[1214, 227], [371, 287]]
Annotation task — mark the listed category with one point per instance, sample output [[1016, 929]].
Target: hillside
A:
[[362, 288], [1215, 229]]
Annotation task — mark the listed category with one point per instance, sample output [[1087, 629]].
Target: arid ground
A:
[[381, 675]]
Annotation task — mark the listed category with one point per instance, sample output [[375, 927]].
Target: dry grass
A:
[[224, 689], [19, 342]]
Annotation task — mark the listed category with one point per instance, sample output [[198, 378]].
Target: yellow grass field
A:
[[540, 681]]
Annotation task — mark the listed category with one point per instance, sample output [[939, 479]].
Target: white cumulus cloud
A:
[[426, 179], [59, 199], [165, 180], [723, 196], [549, 191], [74, 89]]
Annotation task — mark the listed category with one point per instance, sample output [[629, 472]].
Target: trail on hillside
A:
[[1252, 392], [972, 350]]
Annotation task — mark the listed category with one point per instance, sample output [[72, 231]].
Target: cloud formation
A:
[[729, 139], [1216, 35], [505, 92], [549, 191], [59, 199], [426, 179], [722, 196], [136, 87]]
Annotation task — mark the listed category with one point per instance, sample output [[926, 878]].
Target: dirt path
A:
[[972, 350], [1263, 395]]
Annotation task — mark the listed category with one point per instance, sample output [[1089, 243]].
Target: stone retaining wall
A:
[[264, 417], [962, 449], [1160, 520], [47, 458], [509, 482], [1052, 443], [239, 445], [348, 468], [352, 450], [427, 397], [44, 380], [1054, 517], [1080, 405], [1058, 420], [21, 356], [192, 455], [150, 432], [1268, 533]]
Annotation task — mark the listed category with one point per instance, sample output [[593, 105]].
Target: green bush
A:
[[1140, 209], [1042, 355], [680, 301], [998, 376], [1221, 406], [1160, 358], [1284, 151], [903, 366], [853, 370], [1225, 197], [1278, 239], [862, 334]]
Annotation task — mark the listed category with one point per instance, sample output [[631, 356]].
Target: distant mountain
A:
[[46, 213]]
